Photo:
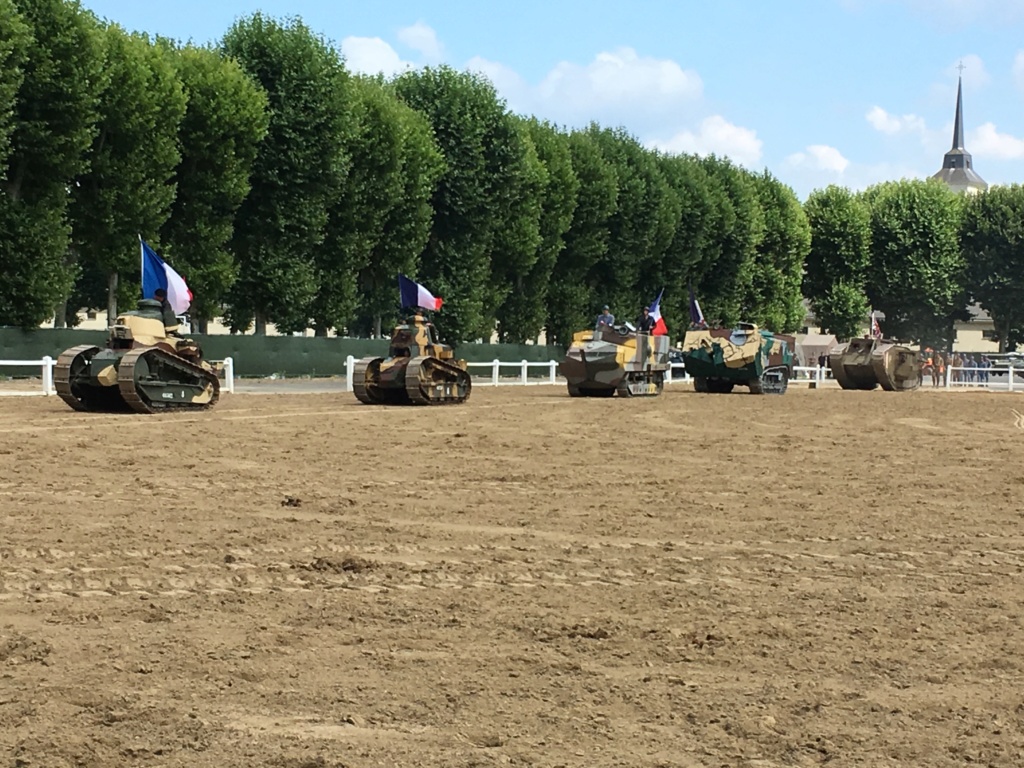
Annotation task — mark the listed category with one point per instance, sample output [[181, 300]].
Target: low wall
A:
[[257, 355]]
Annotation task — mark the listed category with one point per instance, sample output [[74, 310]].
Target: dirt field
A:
[[528, 579]]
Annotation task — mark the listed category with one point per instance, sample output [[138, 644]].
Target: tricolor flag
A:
[[660, 329], [415, 295], [876, 329], [157, 273], [696, 316]]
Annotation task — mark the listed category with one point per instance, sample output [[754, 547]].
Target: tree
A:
[[838, 261], [524, 312], [571, 291], [779, 263], [47, 131], [127, 190], [470, 124], [225, 120], [299, 169], [993, 246], [917, 275], [406, 226]]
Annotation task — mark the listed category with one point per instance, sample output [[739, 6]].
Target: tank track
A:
[[420, 395], [768, 384], [640, 377], [129, 390], [62, 375], [363, 393]]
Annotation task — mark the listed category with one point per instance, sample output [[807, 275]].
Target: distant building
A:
[[957, 167]]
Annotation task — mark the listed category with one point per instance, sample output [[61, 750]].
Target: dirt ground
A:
[[527, 579]]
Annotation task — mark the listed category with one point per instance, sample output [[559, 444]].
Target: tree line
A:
[[288, 190]]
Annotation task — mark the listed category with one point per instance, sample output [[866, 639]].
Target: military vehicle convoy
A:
[[143, 368], [618, 360], [417, 370], [719, 359], [868, 363]]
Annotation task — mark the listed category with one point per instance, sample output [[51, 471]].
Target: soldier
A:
[[605, 318], [170, 319], [646, 323]]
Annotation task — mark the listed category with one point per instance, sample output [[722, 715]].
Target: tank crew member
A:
[[605, 318], [646, 323], [170, 319]]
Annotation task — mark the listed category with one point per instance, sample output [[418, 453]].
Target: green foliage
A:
[[993, 245], [572, 303], [225, 120], [525, 308], [298, 172], [839, 259], [917, 275], [778, 267], [129, 186], [469, 123], [46, 131]]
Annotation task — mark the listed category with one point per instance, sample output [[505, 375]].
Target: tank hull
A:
[[410, 381], [607, 363], [718, 360], [866, 364]]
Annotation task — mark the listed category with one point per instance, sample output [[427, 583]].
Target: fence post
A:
[[668, 374], [1009, 384], [554, 372], [48, 375], [229, 374], [949, 375], [350, 369], [821, 375], [495, 369], [525, 368]]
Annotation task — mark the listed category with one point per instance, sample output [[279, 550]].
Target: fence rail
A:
[[968, 377], [225, 369]]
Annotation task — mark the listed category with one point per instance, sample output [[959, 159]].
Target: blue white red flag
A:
[[415, 295], [157, 273], [696, 316], [660, 329]]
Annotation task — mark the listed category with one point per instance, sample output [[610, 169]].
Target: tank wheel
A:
[[773, 381], [71, 364]]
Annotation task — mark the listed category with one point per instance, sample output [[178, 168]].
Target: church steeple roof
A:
[[957, 165]]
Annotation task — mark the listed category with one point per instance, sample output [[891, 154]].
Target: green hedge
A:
[[259, 355]]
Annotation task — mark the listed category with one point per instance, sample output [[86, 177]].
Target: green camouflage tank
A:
[[720, 358]]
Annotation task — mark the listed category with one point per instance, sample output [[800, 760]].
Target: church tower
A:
[[957, 167]]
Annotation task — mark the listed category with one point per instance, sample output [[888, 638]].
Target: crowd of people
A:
[[935, 363]]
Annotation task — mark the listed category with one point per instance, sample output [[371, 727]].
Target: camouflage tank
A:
[[870, 362], [143, 368], [417, 370], [718, 359], [619, 360]]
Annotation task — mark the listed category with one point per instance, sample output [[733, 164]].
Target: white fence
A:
[[1001, 378], [47, 363]]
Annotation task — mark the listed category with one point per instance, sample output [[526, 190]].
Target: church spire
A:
[[957, 166]]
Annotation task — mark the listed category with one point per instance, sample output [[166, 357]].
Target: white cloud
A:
[[506, 81], [894, 125], [986, 141], [370, 55], [1018, 69], [619, 79], [820, 157], [973, 73], [422, 38], [716, 136]]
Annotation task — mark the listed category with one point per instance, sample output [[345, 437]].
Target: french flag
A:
[[157, 273], [660, 329], [415, 295]]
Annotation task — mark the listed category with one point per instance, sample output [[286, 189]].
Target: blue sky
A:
[[850, 92]]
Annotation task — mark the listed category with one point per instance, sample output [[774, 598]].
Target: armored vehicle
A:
[[868, 363], [143, 368], [607, 361], [417, 370], [718, 359]]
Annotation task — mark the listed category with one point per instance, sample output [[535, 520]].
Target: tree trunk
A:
[[320, 331], [202, 325], [111, 299], [376, 326], [261, 324], [1004, 338], [60, 314]]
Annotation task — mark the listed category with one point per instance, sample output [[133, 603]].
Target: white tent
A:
[[810, 346]]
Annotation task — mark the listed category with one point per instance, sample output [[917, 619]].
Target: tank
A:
[[719, 359], [868, 363], [618, 360], [143, 368], [417, 370]]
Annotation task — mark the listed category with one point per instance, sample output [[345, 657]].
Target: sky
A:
[[817, 92]]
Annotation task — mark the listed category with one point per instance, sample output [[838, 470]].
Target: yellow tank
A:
[[868, 363], [618, 360]]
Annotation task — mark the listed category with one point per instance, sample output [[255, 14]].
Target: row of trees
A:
[[289, 191], [920, 254]]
